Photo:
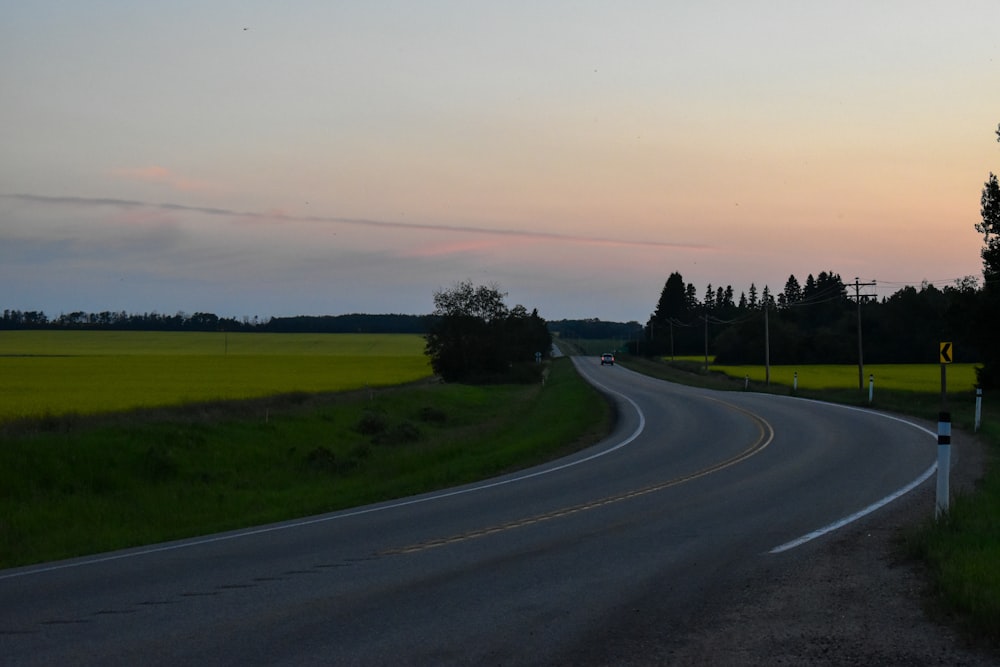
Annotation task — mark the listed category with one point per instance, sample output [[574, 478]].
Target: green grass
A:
[[77, 485], [962, 550], [85, 372]]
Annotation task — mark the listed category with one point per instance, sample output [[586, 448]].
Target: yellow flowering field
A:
[[907, 377], [58, 372]]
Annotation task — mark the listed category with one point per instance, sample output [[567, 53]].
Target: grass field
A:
[[70, 486], [87, 372]]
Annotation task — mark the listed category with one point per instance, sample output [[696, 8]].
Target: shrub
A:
[[372, 422], [401, 433], [432, 415]]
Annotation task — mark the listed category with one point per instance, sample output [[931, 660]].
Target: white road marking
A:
[[840, 523]]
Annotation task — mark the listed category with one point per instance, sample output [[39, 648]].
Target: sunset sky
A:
[[310, 157]]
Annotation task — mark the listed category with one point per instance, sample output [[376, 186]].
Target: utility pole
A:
[[767, 349], [861, 355], [706, 343], [671, 339]]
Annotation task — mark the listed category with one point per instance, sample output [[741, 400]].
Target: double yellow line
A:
[[764, 438]]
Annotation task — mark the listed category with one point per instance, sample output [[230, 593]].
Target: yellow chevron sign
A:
[[945, 353]]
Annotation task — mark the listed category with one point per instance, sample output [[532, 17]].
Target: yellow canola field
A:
[[58, 372], [906, 377]]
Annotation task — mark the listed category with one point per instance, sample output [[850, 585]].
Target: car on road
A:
[[607, 359]]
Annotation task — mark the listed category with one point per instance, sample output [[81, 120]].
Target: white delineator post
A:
[[944, 463], [979, 407]]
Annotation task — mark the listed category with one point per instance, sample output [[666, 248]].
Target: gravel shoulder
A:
[[844, 599]]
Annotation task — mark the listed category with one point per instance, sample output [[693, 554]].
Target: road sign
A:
[[946, 353]]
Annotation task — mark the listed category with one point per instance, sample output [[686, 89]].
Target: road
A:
[[692, 490]]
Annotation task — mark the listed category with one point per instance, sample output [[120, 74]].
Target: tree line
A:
[[595, 329], [588, 328], [123, 321], [815, 321]]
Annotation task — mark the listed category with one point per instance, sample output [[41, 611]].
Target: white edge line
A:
[[343, 514], [829, 528]]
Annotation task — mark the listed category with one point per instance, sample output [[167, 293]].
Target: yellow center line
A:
[[764, 438]]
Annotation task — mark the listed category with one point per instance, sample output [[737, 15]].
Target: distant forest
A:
[[123, 321], [353, 323], [816, 321]]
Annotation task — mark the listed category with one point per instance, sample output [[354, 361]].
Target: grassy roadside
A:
[[961, 550], [76, 485]]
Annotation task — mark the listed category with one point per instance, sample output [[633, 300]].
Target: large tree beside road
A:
[[475, 337]]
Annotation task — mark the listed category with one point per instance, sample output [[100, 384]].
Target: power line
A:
[[861, 355]]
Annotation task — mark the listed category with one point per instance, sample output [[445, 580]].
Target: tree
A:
[[810, 287], [670, 309], [673, 301], [474, 337], [691, 298], [988, 319], [523, 335], [709, 299], [766, 298], [988, 313], [792, 293], [990, 229]]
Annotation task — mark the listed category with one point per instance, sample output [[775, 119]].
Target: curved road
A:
[[693, 489]]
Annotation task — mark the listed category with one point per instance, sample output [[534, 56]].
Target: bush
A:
[[322, 459], [475, 338], [372, 422], [401, 433]]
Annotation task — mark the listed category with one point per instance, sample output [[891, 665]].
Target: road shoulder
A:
[[847, 598]]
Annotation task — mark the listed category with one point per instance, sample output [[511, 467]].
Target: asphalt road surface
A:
[[693, 490]]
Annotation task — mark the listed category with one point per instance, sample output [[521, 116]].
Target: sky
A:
[[259, 159]]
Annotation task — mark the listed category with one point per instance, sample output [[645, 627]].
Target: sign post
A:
[[979, 407], [945, 356], [944, 435]]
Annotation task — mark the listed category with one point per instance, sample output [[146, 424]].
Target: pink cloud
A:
[[448, 248], [161, 176]]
